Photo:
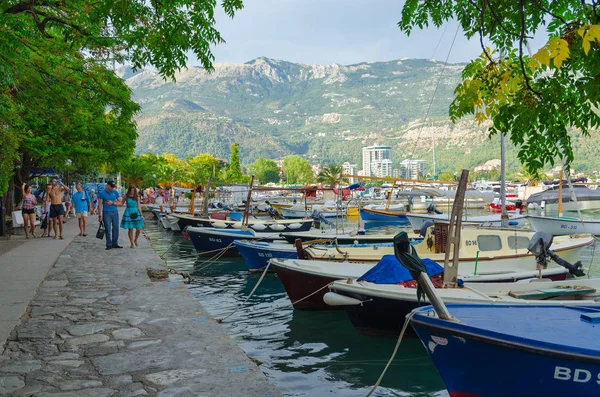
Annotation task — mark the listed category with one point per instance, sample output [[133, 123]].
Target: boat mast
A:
[[435, 175], [504, 216]]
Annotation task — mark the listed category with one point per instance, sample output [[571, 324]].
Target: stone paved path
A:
[[98, 327]]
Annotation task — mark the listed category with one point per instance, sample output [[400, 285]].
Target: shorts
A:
[[82, 214], [26, 211], [56, 210]]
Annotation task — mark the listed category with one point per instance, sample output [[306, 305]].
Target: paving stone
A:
[[105, 348], [88, 329], [86, 340], [122, 380], [31, 390], [166, 378], [9, 384], [159, 358], [102, 392], [39, 329], [68, 363], [21, 366], [89, 294], [80, 302], [127, 333], [144, 343], [117, 299], [77, 384], [40, 311], [132, 390], [55, 283], [179, 392], [47, 350], [63, 356]]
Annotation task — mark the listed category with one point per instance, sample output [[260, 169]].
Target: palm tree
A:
[[331, 175], [134, 171]]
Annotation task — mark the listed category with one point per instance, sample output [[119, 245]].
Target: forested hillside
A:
[[325, 113]]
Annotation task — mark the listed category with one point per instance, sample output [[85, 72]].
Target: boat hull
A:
[[472, 363], [372, 317], [256, 256], [563, 227], [300, 285], [369, 215], [210, 242]]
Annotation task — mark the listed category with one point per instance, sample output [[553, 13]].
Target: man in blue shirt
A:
[[108, 199], [81, 202]]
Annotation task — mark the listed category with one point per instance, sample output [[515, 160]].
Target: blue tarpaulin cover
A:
[[390, 271]]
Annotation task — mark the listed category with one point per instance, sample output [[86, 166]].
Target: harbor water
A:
[[304, 353]]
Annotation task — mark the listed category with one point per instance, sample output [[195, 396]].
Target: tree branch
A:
[[538, 5], [521, 40]]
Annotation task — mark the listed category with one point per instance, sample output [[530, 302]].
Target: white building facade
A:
[[350, 169], [412, 169], [377, 160]]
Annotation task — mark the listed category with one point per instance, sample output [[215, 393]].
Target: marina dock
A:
[[77, 320]]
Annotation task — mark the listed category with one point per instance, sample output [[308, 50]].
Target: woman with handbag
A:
[[28, 209], [132, 217]]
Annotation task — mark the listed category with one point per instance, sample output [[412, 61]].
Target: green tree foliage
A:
[[203, 166], [134, 171], [265, 170], [296, 170], [446, 176], [58, 99], [535, 100], [235, 170], [331, 175]]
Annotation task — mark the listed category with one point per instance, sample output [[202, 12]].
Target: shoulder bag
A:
[[101, 231]]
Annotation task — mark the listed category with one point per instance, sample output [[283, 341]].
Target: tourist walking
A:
[[94, 202], [57, 210], [108, 199], [28, 210], [132, 217], [68, 206], [45, 222], [81, 203]]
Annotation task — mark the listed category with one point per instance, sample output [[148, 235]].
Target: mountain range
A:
[[325, 113]]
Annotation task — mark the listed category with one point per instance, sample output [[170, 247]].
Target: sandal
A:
[[62, 238]]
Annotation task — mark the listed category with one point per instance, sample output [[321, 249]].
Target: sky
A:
[[332, 31]]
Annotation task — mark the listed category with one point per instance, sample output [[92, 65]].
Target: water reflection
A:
[[304, 353]]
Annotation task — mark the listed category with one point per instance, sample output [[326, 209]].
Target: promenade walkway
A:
[[76, 320]]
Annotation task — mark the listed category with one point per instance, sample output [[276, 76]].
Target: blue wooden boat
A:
[[210, 241], [256, 254], [514, 351], [371, 215]]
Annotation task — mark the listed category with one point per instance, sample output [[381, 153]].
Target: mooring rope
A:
[[406, 322]]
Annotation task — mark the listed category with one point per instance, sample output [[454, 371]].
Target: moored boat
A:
[[305, 281], [368, 304], [478, 248], [210, 241], [562, 226], [493, 220], [545, 351]]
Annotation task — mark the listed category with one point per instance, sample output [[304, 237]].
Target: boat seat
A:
[[547, 293]]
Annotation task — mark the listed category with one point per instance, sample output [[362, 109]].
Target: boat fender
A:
[[335, 299]]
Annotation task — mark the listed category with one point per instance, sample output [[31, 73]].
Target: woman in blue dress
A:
[[132, 217]]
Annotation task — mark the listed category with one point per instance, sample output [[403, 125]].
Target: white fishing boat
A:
[[173, 222], [562, 226], [368, 304], [478, 246], [493, 220], [302, 278]]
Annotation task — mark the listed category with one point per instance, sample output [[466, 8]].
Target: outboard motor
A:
[[426, 225], [519, 204], [540, 247], [431, 209]]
